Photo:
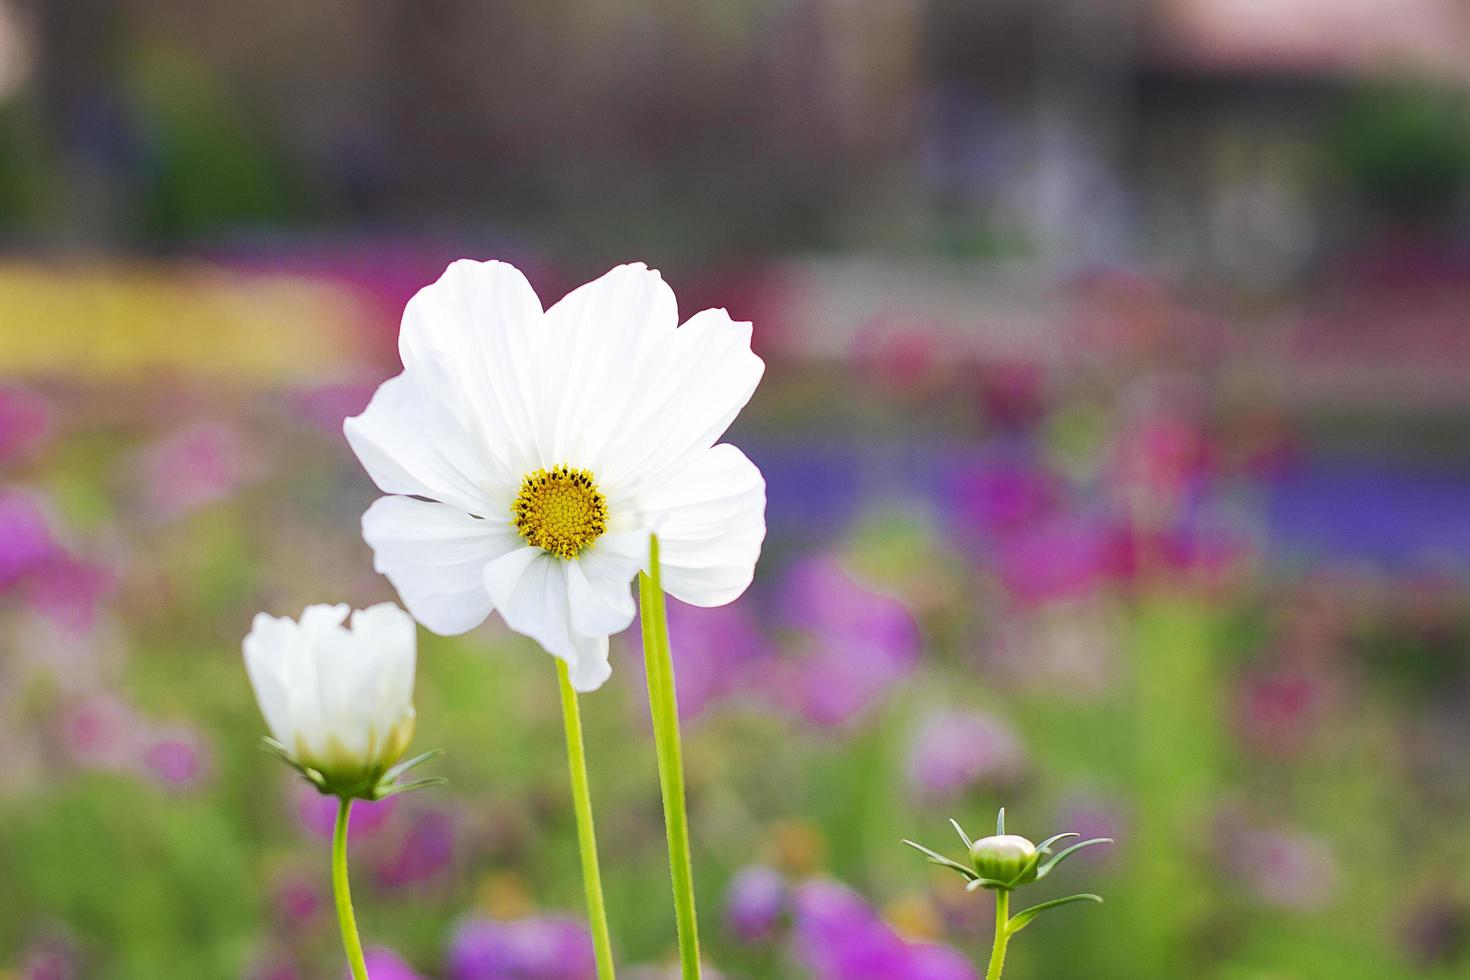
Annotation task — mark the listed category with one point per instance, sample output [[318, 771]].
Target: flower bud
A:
[[1003, 858], [337, 696]]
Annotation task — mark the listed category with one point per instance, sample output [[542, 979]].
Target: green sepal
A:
[[391, 776], [963, 836], [1062, 855], [384, 789], [936, 858], [371, 787], [1023, 918], [1000, 822], [1046, 844], [988, 883]]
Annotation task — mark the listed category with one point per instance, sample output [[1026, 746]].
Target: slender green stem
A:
[[663, 706], [1002, 933], [350, 941], [586, 834]]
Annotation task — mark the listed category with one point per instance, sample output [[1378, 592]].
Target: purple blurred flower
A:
[[838, 936], [954, 751], [550, 948], [26, 544], [318, 814], [855, 643], [384, 964], [51, 959], [328, 405], [1004, 494], [424, 849], [714, 650], [25, 422], [754, 902]]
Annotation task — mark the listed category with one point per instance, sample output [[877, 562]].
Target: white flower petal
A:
[[710, 520], [604, 342], [414, 438], [709, 375], [435, 556], [599, 589], [483, 321], [529, 588], [266, 648]]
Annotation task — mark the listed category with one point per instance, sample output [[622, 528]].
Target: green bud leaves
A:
[[1004, 862]]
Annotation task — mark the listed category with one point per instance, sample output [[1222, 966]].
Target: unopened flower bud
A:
[[1003, 858]]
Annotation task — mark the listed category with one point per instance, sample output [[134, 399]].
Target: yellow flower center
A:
[[560, 510]]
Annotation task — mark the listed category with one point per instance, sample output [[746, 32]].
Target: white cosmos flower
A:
[[530, 454], [338, 698]]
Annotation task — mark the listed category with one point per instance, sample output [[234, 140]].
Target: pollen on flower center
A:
[[560, 510]]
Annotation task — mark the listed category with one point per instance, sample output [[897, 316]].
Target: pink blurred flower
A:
[[838, 936], [1278, 712], [296, 899], [854, 643], [318, 814], [68, 591], [550, 948], [192, 468], [328, 405], [178, 759], [1288, 870], [102, 732], [25, 422], [954, 751]]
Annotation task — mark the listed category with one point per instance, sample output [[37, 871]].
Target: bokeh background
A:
[[1119, 372]]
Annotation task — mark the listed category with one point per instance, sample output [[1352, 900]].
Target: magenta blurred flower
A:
[[192, 468], [854, 643], [26, 544], [838, 936], [25, 422], [754, 902], [1059, 559], [67, 591], [1004, 494], [51, 959], [384, 964], [955, 751], [318, 814], [549, 948], [422, 851]]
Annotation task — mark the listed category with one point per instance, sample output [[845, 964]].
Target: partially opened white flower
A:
[[529, 456], [338, 699]]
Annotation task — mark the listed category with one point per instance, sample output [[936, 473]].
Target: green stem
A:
[[350, 941], [586, 835], [663, 706], [1002, 933]]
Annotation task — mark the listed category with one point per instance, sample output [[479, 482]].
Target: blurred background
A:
[[1119, 372]]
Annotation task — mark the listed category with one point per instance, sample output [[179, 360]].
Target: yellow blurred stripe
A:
[[108, 322]]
